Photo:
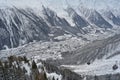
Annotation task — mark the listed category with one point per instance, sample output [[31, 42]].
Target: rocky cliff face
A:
[[113, 18], [21, 27], [95, 18]]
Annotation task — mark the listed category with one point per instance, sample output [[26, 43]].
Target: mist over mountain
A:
[[100, 4], [66, 39]]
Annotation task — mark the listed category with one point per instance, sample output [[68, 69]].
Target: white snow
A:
[[6, 47], [27, 67], [46, 50], [39, 65], [99, 67], [63, 37], [15, 64], [56, 76]]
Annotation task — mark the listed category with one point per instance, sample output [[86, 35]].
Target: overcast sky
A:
[[63, 3]]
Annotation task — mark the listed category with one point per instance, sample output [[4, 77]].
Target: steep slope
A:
[[95, 17], [22, 26], [101, 49], [55, 21], [110, 16], [78, 20]]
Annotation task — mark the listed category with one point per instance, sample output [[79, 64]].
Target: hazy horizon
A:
[[98, 4]]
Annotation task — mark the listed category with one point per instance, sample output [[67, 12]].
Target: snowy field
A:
[[99, 67]]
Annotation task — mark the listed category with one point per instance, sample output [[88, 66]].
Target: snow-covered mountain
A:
[[24, 25], [62, 33], [112, 17]]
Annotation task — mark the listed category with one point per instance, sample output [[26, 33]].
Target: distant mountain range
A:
[[23, 25]]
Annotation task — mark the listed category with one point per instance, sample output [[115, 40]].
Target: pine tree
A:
[[1, 63], [96, 78], [34, 66], [53, 78], [24, 70], [25, 59], [108, 77], [45, 76]]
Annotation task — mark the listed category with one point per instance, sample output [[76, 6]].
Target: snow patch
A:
[[27, 67], [56, 76], [99, 67]]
